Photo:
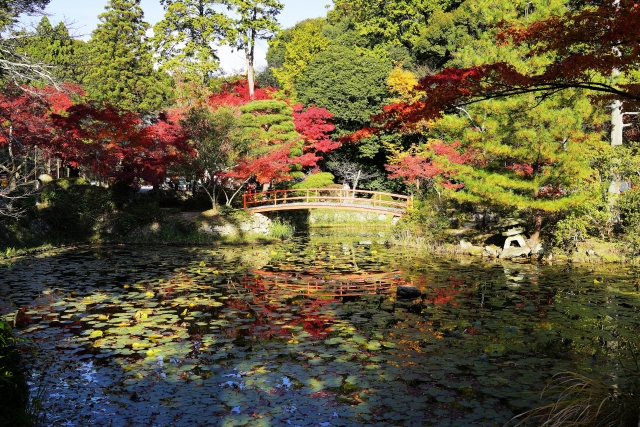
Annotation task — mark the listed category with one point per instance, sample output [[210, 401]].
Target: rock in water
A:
[[515, 252], [408, 292]]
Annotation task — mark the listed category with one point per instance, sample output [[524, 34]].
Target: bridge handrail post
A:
[[244, 197]]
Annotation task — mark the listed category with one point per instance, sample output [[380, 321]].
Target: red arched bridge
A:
[[318, 198]]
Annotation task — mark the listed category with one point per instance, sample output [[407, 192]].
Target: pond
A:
[[244, 335]]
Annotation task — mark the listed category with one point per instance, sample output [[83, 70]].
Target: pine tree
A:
[[121, 64]]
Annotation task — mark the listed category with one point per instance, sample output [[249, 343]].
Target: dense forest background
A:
[[522, 109]]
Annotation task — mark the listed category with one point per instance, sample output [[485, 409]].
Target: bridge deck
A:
[[317, 198], [321, 205]]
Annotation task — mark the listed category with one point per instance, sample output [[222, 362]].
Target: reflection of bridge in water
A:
[[318, 198], [344, 285]]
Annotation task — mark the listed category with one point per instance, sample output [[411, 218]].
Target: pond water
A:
[[242, 335]]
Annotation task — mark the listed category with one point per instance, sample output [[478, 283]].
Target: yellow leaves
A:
[[149, 294], [596, 282], [202, 264], [403, 82], [153, 338], [140, 315], [126, 286], [184, 313]]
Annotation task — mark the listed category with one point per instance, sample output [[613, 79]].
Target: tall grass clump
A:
[[586, 400], [279, 229]]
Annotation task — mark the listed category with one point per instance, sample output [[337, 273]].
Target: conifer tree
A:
[[121, 66], [256, 20], [55, 47], [186, 36]]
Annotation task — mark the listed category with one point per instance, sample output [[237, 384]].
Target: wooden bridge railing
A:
[[329, 196]]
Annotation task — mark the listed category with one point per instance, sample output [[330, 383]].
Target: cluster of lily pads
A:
[[232, 335]]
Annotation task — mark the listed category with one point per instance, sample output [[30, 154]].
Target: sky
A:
[[84, 16]]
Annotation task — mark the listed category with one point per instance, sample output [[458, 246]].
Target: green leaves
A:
[[263, 349], [120, 61], [185, 39]]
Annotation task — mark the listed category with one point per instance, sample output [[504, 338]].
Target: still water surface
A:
[[239, 335]]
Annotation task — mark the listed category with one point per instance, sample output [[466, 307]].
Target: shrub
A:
[[15, 408], [73, 209], [316, 180], [570, 231], [424, 224], [198, 202], [629, 204]]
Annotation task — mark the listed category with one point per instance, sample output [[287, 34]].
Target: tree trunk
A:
[[248, 52], [537, 227], [616, 123], [355, 182], [251, 79]]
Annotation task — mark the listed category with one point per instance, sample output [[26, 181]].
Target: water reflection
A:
[[242, 335]]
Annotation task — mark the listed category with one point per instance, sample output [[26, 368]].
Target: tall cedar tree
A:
[[185, 39], [121, 64], [55, 47], [256, 20], [14, 65]]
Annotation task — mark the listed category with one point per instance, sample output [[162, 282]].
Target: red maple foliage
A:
[[272, 167], [587, 44], [237, 94], [25, 116], [118, 143], [314, 124], [416, 168]]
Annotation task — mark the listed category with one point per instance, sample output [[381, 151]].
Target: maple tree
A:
[[429, 165], [217, 141], [587, 46], [119, 144], [236, 93], [26, 138], [314, 125]]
